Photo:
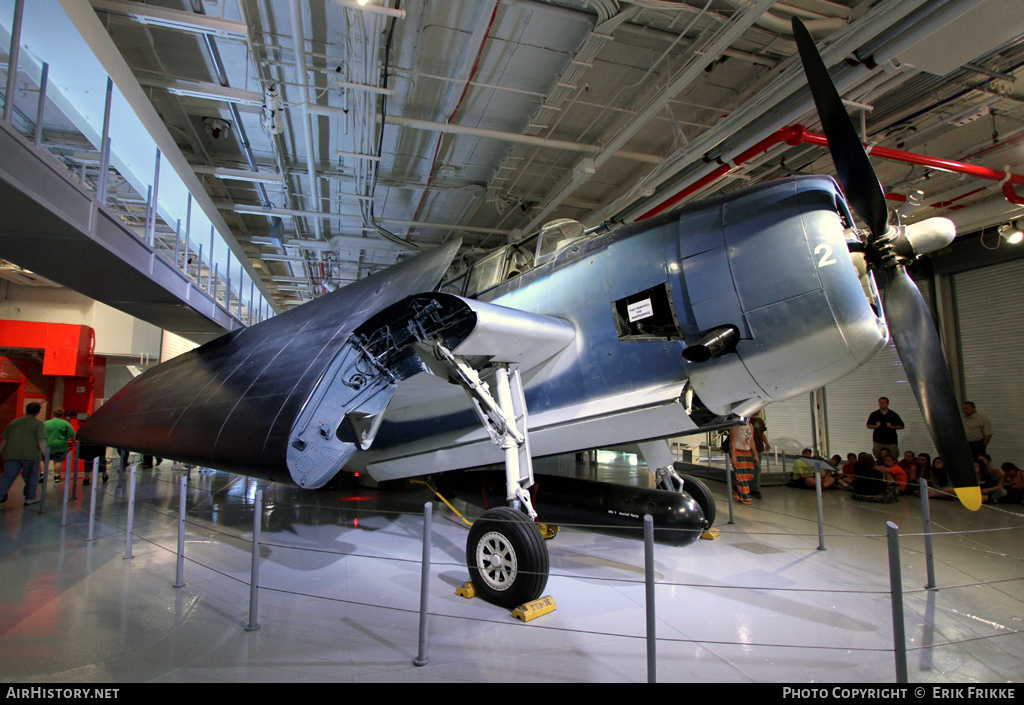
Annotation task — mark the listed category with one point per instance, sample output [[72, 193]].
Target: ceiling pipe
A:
[[984, 214], [371, 7], [255, 176], [172, 19], [470, 66], [486, 133], [798, 134], [299, 49], [701, 59], [276, 226], [818, 26], [784, 101], [239, 127], [317, 215]]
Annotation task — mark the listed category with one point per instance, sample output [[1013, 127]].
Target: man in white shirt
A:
[[978, 429]]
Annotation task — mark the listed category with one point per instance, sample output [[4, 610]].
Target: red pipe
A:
[[798, 134], [791, 135]]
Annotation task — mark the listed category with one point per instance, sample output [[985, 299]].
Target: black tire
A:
[[701, 495], [507, 558]]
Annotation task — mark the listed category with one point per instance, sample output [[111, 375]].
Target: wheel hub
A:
[[497, 561]]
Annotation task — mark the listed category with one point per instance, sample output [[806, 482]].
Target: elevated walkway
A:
[[52, 225]]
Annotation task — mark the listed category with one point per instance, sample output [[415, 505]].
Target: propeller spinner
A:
[[886, 247]]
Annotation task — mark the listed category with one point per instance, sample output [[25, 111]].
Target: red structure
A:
[[51, 363]]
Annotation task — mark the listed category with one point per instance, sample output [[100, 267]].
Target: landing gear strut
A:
[[506, 554]]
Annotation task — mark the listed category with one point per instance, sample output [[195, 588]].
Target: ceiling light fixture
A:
[[1013, 232]]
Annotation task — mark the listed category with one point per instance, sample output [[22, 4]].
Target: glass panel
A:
[[487, 272], [556, 235], [76, 102]]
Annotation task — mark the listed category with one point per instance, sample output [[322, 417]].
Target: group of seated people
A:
[[884, 479]]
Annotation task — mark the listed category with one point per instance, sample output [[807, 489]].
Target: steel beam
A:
[[172, 19]]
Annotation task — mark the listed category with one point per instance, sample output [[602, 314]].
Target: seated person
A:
[[939, 486], [909, 467], [990, 480], [875, 482], [843, 480], [803, 471], [924, 466], [896, 472], [1013, 483], [851, 464]]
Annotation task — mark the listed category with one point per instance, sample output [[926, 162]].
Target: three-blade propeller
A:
[[911, 326]]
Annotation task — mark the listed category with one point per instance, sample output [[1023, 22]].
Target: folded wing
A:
[[231, 404]]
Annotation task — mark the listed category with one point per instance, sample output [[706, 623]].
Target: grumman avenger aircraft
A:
[[566, 340]]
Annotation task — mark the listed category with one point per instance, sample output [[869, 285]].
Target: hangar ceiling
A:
[[336, 137]]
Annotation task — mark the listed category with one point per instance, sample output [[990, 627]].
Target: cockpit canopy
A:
[[515, 258]]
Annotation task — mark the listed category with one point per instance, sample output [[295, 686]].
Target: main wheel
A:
[[507, 558]]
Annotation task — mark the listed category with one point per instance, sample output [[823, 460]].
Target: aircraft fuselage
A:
[[771, 260]]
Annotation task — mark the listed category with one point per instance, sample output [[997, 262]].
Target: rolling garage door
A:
[[991, 330]]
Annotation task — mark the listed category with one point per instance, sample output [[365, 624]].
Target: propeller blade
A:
[[920, 349], [853, 168], [910, 324]]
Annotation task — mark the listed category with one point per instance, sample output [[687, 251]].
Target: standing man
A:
[[978, 429], [885, 423], [59, 436], [22, 447]]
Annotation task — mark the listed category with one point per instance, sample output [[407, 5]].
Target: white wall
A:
[[117, 333]]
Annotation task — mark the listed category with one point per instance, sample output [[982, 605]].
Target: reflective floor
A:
[[339, 594]]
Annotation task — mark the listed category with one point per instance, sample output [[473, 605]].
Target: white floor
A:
[[340, 576]]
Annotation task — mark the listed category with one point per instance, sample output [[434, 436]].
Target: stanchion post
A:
[[254, 577], [131, 513], [154, 210], [104, 145], [179, 575], [64, 504], [37, 137], [926, 519], [92, 497], [821, 513], [652, 638], [899, 637], [120, 470], [421, 656], [71, 470], [42, 485], [728, 484], [12, 60]]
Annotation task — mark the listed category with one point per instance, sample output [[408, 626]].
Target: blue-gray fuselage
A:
[[772, 260]]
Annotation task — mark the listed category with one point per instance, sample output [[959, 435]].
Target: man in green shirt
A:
[[22, 446], [59, 435]]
